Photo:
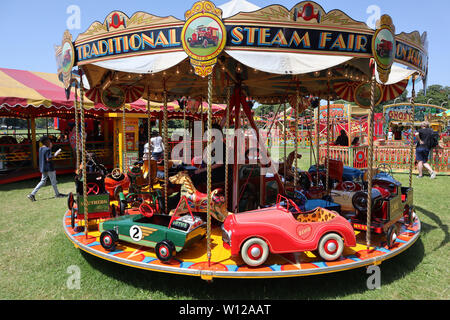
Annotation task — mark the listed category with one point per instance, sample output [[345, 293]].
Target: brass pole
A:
[[166, 150], [83, 160], [413, 116], [208, 179], [297, 107], [227, 127], [370, 157], [149, 131]]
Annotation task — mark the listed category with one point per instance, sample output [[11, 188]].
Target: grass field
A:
[[35, 257]]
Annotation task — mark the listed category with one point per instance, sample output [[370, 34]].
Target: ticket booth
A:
[[130, 135]]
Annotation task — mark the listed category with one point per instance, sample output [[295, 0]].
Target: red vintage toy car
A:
[[116, 182], [283, 229]]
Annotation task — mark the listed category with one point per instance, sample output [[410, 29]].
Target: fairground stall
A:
[[288, 223], [397, 119], [349, 121], [37, 98]]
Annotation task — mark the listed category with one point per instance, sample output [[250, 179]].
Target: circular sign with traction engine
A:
[[203, 36]]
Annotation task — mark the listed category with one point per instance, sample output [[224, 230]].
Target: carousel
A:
[[241, 214]]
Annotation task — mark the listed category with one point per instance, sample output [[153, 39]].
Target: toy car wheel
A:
[[391, 236], [113, 211], [72, 219], [122, 208], [165, 250], [359, 201], [117, 191], [330, 246], [408, 215], [70, 201], [254, 252], [108, 239]]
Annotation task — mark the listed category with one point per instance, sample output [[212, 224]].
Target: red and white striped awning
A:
[[27, 94]]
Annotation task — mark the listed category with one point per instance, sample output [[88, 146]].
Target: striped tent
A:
[[27, 94], [346, 90]]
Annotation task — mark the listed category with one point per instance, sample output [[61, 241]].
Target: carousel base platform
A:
[[193, 261]]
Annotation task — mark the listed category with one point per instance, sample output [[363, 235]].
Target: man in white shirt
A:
[[156, 145]]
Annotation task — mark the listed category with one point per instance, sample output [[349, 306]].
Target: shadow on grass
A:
[[328, 286], [31, 183], [439, 223]]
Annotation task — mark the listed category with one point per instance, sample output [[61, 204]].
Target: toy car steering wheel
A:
[[300, 196], [349, 186], [92, 188], [116, 173], [146, 210]]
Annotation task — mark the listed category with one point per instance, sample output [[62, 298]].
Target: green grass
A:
[[35, 255]]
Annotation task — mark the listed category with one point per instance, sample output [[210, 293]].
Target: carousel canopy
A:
[[236, 6], [270, 53], [26, 94]]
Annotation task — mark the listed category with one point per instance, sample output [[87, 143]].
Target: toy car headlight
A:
[[226, 235]]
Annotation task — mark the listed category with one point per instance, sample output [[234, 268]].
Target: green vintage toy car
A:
[[166, 234]]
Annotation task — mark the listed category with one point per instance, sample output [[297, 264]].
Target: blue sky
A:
[[30, 29]]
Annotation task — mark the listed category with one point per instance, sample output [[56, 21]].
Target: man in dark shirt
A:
[[422, 150], [46, 168], [342, 140]]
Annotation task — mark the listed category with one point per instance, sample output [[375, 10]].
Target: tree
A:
[[436, 95]]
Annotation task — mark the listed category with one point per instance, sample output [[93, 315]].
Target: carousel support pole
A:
[[185, 159], [202, 122], [166, 150], [297, 107], [227, 127], [327, 183], [208, 179], [124, 143], [413, 116], [83, 159], [310, 138], [349, 116], [370, 155], [285, 142], [149, 131], [237, 125], [77, 131], [317, 142]]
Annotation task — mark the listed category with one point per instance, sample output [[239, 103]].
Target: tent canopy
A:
[[27, 94]]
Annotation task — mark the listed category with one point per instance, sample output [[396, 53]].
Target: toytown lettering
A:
[[296, 38], [141, 41]]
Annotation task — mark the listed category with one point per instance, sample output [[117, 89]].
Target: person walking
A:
[[47, 169], [424, 136]]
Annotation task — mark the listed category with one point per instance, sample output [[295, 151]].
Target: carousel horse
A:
[[288, 162], [197, 201]]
